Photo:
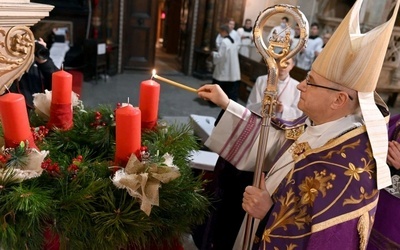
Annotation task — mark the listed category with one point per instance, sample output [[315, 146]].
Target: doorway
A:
[[168, 57], [139, 36]]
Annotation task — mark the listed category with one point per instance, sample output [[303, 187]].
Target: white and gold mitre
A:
[[353, 59]]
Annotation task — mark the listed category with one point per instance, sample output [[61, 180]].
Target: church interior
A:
[[107, 44]]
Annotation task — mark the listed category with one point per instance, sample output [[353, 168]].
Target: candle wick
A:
[[128, 100], [8, 90], [62, 66]]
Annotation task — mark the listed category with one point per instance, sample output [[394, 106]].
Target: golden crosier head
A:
[[281, 41]]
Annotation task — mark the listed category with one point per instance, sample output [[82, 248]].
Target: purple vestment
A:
[[328, 201], [386, 231]]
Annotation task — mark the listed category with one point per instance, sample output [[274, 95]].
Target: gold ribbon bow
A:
[[142, 179]]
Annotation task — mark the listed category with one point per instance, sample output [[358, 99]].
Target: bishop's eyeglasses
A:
[[324, 87]]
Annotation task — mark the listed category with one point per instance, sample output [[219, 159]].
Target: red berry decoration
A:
[[51, 167], [3, 159], [98, 120], [39, 133]]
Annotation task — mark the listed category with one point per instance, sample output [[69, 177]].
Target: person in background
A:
[[38, 78], [322, 176], [226, 60], [296, 37], [325, 39], [281, 33], [246, 36], [280, 30], [232, 33], [287, 96], [385, 232], [307, 55]]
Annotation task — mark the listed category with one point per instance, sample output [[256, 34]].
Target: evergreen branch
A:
[[83, 207]]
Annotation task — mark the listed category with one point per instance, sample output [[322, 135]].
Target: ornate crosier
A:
[[278, 51]]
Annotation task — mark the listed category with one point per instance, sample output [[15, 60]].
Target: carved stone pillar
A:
[[16, 39]]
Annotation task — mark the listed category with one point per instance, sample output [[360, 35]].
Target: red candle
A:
[[61, 107], [61, 87], [127, 133], [148, 103], [15, 122]]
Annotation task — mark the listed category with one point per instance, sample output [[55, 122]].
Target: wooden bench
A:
[[249, 70], [298, 74], [246, 84]]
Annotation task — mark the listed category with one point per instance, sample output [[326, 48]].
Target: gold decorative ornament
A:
[[294, 133], [16, 53]]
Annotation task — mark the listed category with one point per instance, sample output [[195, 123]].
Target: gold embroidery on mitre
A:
[[299, 148], [363, 227], [294, 133]]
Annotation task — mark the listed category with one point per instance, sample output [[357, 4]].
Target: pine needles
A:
[[75, 198]]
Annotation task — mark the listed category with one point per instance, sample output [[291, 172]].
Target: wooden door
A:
[[139, 34], [172, 30]]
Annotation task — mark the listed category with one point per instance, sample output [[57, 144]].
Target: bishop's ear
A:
[[341, 98]]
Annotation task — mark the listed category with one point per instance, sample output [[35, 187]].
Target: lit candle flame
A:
[[153, 74]]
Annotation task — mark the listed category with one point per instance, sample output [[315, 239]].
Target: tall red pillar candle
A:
[[61, 107], [128, 133], [15, 121], [148, 103], [61, 85]]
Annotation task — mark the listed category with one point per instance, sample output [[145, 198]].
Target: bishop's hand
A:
[[257, 201], [214, 93]]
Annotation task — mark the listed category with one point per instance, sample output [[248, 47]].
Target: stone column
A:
[[16, 39]]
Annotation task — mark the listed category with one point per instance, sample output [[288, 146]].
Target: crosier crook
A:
[[269, 100]]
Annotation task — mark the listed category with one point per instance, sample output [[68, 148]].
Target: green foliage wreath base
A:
[[87, 211]]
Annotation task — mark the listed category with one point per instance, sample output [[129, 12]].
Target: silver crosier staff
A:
[[277, 50]]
